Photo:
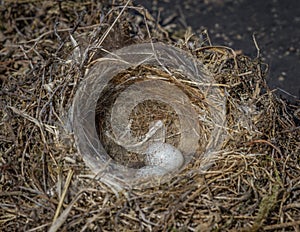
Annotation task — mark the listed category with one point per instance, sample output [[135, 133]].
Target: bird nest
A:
[[142, 96], [64, 114]]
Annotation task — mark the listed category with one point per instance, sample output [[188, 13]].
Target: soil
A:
[[233, 23]]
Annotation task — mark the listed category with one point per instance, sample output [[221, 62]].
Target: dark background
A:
[[275, 24]]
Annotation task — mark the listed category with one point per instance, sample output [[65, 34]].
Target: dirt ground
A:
[[274, 23]]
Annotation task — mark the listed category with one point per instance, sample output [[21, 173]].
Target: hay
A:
[[132, 76], [254, 184]]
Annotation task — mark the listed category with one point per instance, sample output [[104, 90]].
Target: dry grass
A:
[[254, 185]]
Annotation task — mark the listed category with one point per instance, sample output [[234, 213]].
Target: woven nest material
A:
[[46, 182], [114, 99]]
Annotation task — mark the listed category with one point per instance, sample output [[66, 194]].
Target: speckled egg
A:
[[164, 155], [147, 171]]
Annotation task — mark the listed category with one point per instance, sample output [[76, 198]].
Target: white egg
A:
[[147, 171], [164, 155]]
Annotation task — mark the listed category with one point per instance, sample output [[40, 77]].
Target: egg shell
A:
[[147, 171], [164, 155]]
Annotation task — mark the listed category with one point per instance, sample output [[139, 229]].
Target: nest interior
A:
[[45, 48], [145, 113]]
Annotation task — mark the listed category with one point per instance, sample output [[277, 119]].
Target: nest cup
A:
[[144, 107]]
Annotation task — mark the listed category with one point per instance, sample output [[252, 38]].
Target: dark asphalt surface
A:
[[275, 23]]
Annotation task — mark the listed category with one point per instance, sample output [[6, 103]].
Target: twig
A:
[[103, 37], [62, 198], [282, 225]]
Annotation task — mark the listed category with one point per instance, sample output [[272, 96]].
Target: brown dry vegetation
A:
[[254, 185]]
